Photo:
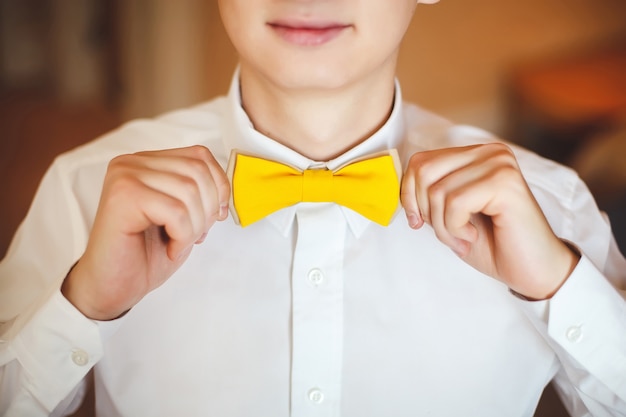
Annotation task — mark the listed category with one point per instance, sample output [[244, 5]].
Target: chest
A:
[[323, 321]]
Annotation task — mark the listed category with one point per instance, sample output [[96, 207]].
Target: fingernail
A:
[[413, 220], [201, 239], [223, 211]]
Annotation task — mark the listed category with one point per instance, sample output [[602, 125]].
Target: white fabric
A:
[[313, 311]]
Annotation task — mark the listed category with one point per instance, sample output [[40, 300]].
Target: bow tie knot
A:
[[368, 186], [317, 185]]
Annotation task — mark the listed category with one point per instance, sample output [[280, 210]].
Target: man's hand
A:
[[480, 206], [153, 208]]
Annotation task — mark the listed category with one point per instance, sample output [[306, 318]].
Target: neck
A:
[[320, 125]]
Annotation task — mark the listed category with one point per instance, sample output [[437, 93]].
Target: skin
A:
[[478, 203], [319, 100], [145, 196], [317, 76]]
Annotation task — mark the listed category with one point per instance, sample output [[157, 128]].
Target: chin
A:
[[301, 75], [314, 81]]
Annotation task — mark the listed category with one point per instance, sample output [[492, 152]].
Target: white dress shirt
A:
[[314, 310]]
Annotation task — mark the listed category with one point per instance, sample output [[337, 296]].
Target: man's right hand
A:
[[153, 208]]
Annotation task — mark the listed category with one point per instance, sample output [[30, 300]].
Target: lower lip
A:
[[308, 36]]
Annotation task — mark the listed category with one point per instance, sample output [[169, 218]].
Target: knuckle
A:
[[454, 202], [425, 173], [501, 152], [119, 161], [201, 152], [188, 188], [415, 159], [179, 215], [123, 183], [417, 163], [198, 167], [508, 175], [119, 190], [436, 192], [497, 147]]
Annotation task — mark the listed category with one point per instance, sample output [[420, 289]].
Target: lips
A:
[[307, 33]]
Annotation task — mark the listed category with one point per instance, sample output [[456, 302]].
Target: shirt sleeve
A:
[[585, 321], [46, 345], [48, 358]]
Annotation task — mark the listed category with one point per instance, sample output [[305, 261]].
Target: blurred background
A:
[[547, 74]]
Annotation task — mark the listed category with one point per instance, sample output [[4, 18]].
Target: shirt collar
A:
[[244, 136]]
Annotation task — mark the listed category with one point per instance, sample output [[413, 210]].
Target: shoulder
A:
[[198, 125], [557, 188], [426, 131]]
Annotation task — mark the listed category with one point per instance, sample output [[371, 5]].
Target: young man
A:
[[492, 278]]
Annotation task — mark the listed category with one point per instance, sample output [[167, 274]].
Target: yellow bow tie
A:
[[369, 186]]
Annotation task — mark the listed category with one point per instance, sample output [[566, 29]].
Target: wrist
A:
[[77, 292], [564, 262]]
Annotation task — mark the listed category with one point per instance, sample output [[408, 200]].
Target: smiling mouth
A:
[[306, 34]]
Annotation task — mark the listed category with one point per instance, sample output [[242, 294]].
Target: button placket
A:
[[317, 310]]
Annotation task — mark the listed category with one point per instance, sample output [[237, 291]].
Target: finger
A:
[[152, 207], [198, 163], [465, 220], [219, 186], [481, 188], [460, 231], [466, 192], [182, 188], [427, 168], [191, 172], [437, 196], [430, 167], [454, 199], [222, 185], [408, 200]]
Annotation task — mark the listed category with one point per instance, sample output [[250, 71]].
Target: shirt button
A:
[[80, 357], [316, 396], [574, 334], [316, 277]]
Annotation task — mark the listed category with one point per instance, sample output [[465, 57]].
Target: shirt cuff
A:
[[586, 318], [56, 349]]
